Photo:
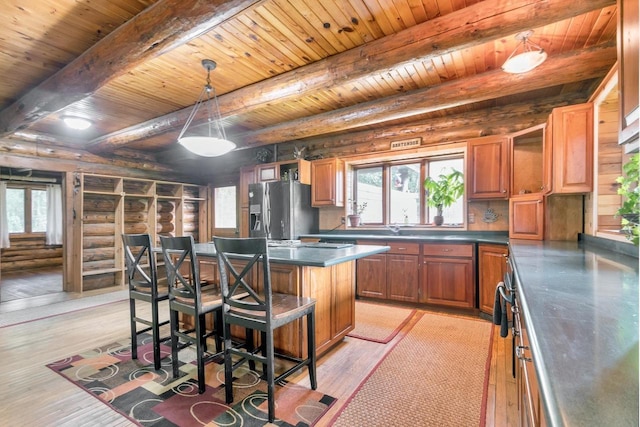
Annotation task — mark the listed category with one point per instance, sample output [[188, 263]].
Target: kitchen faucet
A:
[[395, 228]]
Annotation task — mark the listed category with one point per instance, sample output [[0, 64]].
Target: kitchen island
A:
[[325, 273]]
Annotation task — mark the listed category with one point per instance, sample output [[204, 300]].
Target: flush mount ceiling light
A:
[[214, 141], [531, 56], [75, 122]]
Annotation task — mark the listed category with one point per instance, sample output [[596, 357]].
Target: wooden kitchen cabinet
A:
[[403, 271], [371, 273], [488, 168], [530, 407], [572, 145], [628, 35], [448, 276], [285, 171], [327, 182], [393, 275], [492, 266], [531, 161], [526, 217]]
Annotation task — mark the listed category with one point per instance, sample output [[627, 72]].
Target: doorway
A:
[[32, 264]]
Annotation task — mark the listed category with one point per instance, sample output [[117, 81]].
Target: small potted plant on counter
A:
[[356, 209], [630, 191], [443, 192]]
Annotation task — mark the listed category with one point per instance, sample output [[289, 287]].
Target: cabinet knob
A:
[[446, 250], [504, 191]]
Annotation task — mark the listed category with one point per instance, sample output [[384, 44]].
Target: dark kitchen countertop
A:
[[580, 303], [306, 256], [408, 234]]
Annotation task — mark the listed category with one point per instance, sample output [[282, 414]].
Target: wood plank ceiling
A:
[[337, 76]]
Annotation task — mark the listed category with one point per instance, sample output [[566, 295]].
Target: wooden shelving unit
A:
[[108, 206]]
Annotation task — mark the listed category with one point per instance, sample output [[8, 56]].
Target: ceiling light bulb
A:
[[78, 123]]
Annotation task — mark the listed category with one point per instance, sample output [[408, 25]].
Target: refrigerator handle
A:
[[267, 211]]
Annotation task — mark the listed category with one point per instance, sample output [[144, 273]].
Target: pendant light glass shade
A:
[[531, 56], [213, 142]]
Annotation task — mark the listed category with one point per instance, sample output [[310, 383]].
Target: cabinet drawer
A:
[[404, 248], [448, 250]]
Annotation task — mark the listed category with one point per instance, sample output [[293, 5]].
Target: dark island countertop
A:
[[580, 303], [407, 234], [306, 256]]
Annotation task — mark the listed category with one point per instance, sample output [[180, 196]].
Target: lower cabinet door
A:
[[402, 277], [448, 281], [372, 276]]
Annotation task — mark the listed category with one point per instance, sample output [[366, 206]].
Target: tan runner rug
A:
[[436, 375], [379, 322]]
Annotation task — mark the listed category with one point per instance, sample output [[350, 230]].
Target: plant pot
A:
[[438, 220], [354, 220]]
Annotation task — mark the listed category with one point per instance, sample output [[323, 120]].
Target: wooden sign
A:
[[406, 143]]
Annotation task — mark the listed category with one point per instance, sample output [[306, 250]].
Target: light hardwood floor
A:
[[23, 284], [34, 395]]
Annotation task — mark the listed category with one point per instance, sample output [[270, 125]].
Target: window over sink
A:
[[393, 191]]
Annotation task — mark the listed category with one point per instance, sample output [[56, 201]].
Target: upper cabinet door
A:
[[327, 182], [572, 142], [488, 168], [628, 70]]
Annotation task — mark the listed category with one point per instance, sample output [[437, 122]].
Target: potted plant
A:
[[356, 209], [443, 191], [630, 191]]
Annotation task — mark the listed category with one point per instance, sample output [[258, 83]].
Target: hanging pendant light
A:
[[531, 56], [214, 142]]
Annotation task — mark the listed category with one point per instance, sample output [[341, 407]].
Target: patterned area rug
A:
[[437, 375], [154, 398], [379, 322]]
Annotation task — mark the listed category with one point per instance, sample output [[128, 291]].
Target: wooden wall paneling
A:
[[563, 217]]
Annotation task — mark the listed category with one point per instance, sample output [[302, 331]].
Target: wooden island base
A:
[[333, 287]]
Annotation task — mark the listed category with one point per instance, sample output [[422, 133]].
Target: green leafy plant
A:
[[443, 191], [630, 191]]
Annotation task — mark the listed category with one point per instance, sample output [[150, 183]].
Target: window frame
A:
[[28, 208], [424, 162]]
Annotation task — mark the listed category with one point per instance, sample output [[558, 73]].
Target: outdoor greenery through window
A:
[[394, 193], [225, 207], [26, 210]]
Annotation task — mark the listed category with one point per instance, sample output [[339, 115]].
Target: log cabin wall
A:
[[30, 252]]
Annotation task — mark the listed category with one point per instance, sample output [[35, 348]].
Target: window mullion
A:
[[27, 210]]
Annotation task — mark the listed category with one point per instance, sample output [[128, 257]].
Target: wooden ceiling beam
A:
[[459, 127], [483, 22], [593, 62], [156, 30]]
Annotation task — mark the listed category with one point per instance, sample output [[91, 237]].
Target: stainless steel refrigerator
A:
[[281, 210]]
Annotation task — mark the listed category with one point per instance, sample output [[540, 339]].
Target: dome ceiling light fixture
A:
[[531, 56], [214, 142], [76, 122]]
